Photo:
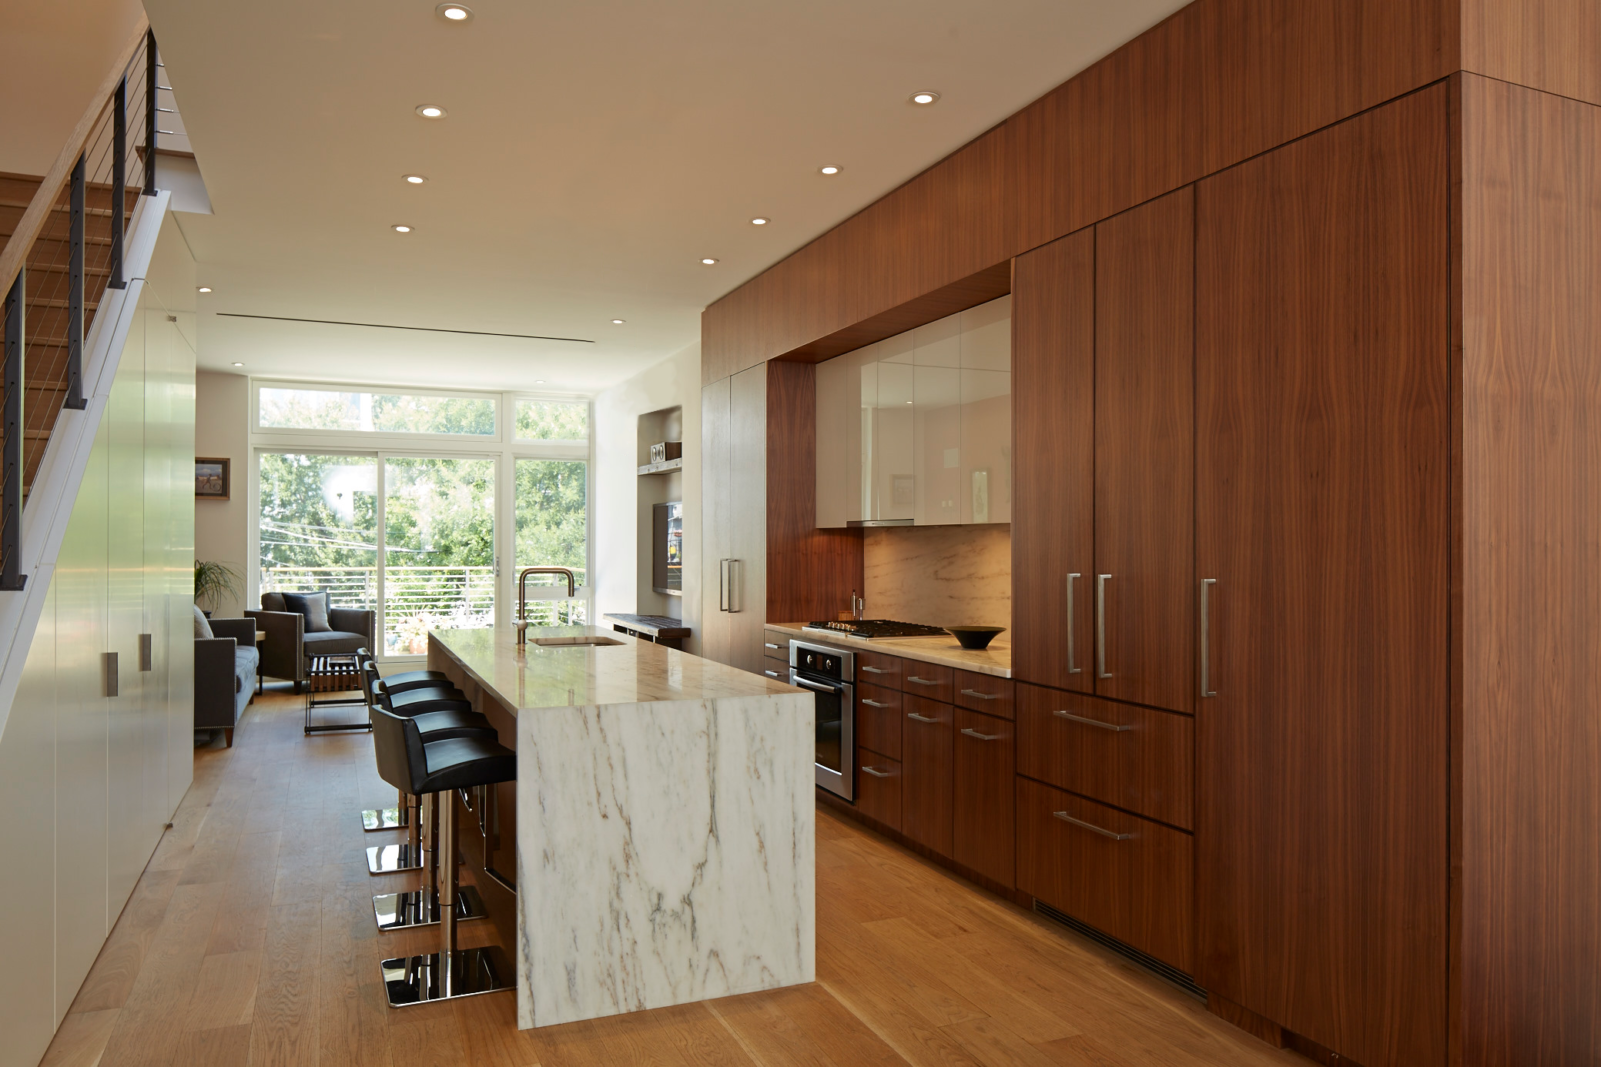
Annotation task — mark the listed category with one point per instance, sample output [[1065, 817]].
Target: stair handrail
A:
[[38, 211]]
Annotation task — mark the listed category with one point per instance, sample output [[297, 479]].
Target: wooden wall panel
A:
[[1531, 578], [1551, 45], [1218, 82], [1323, 512], [810, 572]]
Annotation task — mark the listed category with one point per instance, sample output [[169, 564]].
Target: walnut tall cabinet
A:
[[1307, 595]]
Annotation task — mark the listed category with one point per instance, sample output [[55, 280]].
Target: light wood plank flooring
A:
[[250, 940]]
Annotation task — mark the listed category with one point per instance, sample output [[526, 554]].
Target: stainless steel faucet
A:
[[522, 594]]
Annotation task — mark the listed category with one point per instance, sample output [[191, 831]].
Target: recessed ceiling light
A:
[[759, 221], [203, 289], [239, 364], [539, 381], [401, 229], [430, 111], [925, 97], [454, 12], [709, 261], [414, 179], [829, 169], [616, 322]]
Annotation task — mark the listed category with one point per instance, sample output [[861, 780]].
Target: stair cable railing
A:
[[63, 251]]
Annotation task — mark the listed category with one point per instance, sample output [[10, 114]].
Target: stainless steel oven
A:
[[831, 674]]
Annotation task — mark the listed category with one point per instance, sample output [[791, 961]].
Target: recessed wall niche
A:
[[660, 482]]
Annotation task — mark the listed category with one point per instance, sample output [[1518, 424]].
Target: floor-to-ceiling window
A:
[[408, 502]]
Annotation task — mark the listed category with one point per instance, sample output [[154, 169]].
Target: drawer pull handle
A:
[[874, 703], [771, 674], [769, 644], [982, 737], [875, 670], [876, 773], [982, 696], [1065, 817], [921, 681], [1070, 717], [920, 718]]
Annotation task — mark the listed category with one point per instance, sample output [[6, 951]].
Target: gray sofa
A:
[[225, 674], [285, 652]]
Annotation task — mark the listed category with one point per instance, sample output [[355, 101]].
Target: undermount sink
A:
[[558, 642]]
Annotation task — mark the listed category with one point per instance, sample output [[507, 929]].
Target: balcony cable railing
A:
[[63, 249]]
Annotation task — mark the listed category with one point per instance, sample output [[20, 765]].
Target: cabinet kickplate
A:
[[1165, 971]]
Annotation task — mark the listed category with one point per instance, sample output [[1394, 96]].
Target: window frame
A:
[[504, 447]]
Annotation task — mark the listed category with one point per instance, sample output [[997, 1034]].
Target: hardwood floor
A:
[[250, 940]]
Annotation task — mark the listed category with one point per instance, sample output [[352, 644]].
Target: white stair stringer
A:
[[60, 475]]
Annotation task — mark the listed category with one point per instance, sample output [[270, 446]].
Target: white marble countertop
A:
[[995, 660], [628, 672]]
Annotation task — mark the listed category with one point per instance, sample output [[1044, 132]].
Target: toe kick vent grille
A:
[[1164, 971]]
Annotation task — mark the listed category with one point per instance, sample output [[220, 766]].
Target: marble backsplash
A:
[[940, 575]]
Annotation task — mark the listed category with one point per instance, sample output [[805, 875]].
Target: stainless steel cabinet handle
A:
[[876, 670], [876, 773], [873, 703], [982, 696], [1065, 817], [1206, 637], [736, 601], [982, 737], [1070, 717], [146, 652], [1100, 625], [1071, 669], [722, 585], [769, 644], [108, 673], [920, 718], [771, 674], [921, 681]]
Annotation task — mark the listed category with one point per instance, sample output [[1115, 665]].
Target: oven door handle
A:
[[814, 687]]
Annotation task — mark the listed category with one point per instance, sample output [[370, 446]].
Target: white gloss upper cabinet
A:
[[918, 427]]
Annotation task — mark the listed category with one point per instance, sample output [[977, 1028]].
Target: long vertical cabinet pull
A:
[[722, 585], [1071, 669], [1206, 637], [1100, 625], [736, 583]]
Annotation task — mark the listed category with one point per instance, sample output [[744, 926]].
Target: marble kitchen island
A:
[[663, 824]]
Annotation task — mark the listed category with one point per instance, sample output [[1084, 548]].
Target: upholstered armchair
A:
[[288, 647]]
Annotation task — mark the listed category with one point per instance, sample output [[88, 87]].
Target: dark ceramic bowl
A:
[[976, 638]]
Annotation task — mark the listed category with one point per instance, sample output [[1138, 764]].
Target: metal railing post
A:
[[11, 450], [150, 112], [119, 181], [75, 297]]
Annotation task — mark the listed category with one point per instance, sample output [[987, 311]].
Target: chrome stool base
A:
[[412, 980], [374, 820], [403, 911], [394, 859]]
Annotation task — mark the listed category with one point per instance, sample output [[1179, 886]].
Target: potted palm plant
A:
[[212, 580]]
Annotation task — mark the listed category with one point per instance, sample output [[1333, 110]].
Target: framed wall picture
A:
[[211, 479]]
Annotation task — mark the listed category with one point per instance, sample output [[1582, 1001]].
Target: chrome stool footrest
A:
[[403, 911], [420, 979], [394, 859]]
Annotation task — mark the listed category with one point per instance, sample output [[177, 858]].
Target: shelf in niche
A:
[[665, 467]]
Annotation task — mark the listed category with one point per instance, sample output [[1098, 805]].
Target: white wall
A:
[[674, 382], [222, 411]]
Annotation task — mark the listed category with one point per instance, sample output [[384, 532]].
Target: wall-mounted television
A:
[[667, 548]]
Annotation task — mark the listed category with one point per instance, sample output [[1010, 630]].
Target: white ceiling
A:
[[592, 154]]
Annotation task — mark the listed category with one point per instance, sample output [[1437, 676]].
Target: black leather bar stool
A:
[[442, 767], [383, 692]]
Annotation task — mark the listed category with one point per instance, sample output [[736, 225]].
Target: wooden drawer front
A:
[[775, 645], [1122, 874], [879, 669], [983, 795], [1138, 759], [928, 681], [878, 720], [878, 789], [984, 692], [928, 729], [776, 669]]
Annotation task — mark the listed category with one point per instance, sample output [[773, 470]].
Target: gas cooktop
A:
[[874, 628]]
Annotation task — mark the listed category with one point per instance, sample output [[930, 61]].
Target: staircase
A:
[[47, 293]]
